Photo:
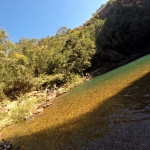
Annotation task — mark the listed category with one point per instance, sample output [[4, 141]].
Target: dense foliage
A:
[[36, 64], [127, 30], [41, 63]]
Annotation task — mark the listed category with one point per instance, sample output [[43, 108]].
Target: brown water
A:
[[111, 111]]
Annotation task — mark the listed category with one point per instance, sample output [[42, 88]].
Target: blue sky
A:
[[42, 18]]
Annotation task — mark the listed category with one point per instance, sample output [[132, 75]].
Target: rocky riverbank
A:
[[30, 104]]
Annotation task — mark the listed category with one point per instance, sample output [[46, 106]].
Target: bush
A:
[[73, 80], [46, 80], [2, 87]]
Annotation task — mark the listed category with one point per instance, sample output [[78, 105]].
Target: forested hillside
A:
[[117, 31]]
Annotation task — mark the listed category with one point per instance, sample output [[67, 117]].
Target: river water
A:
[[110, 112]]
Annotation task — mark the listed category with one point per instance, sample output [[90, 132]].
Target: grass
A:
[[17, 110]]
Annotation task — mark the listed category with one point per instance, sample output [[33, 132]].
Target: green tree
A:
[[62, 31]]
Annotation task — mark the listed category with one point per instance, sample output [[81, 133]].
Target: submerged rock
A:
[[4, 145], [146, 95], [126, 95]]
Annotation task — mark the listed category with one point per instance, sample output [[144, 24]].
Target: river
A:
[[110, 112]]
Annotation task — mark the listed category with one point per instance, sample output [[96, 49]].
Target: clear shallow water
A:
[[109, 112]]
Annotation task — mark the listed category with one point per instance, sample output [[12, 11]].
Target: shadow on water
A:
[[119, 122]]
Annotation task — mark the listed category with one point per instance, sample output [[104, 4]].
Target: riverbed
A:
[[111, 111]]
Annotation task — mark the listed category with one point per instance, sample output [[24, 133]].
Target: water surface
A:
[[111, 111]]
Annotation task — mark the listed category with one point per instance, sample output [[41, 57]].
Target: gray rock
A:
[[146, 95]]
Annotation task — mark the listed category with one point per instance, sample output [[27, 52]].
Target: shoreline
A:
[[46, 100], [40, 106]]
